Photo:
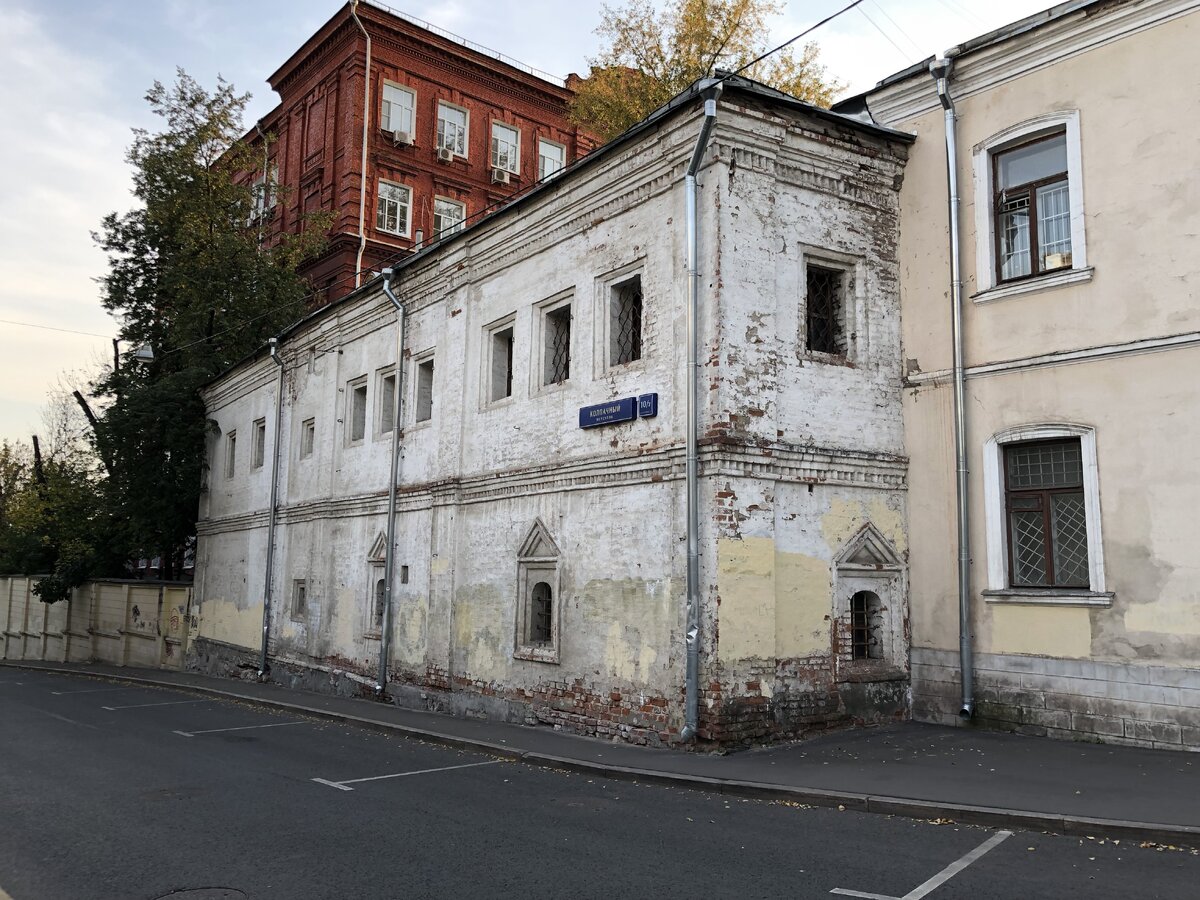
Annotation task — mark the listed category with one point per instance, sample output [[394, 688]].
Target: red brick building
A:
[[452, 128]]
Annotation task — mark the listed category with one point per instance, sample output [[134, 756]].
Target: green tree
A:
[[650, 56], [190, 277]]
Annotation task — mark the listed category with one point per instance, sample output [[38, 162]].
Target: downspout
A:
[[389, 564], [362, 187], [940, 70], [269, 579], [692, 635]]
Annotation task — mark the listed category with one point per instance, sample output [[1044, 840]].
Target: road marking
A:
[[92, 691], [62, 719], [168, 703], [940, 878], [341, 785], [239, 728], [9, 682]]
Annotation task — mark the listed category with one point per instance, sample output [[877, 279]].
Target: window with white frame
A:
[[1042, 510], [230, 454], [387, 401], [452, 129], [356, 410], [423, 401], [506, 148], [308, 434], [1029, 206], [552, 158], [258, 444], [539, 603], [498, 345], [396, 110], [448, 217], [393, 208]]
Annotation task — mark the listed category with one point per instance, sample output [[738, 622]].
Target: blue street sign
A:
[[623, 410], [647, 406]]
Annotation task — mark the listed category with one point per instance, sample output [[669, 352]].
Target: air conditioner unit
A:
[[401, 138], [445, 154], [500, 176]]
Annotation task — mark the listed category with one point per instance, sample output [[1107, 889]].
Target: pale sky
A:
[[73, 74]]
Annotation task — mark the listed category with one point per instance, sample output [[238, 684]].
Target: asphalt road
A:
[[139, 793]]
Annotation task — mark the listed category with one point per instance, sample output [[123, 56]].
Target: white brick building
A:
[[540, 566]]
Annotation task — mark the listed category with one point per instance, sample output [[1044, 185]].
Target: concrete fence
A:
[[122, 623]]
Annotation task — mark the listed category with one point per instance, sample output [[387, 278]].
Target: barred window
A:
[[1047, 522], [825, 304], [625, 322], [557, 331], [866, 625]]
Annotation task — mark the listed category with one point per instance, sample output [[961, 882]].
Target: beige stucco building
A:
[[1077, 152]]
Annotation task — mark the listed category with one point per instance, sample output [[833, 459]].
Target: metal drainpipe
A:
[[692, 691], [389, 565], [266, 623], [362, 187], [940, 70]]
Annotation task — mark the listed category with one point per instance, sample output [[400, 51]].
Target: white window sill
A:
[[1050, 597], [1030, 285], [537, 654]]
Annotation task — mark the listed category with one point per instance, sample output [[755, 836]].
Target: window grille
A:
[[540, 612], [866, 626], [824, 310], [558, 345], [626, 343], [1047, 522], [380, 587]]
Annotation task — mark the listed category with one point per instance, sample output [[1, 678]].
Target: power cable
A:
[[53, 328], [789, 42], [903, 53]]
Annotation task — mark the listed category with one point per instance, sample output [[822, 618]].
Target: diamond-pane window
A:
[[1047, 522]]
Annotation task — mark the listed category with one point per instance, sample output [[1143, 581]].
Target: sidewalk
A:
[[910, 769]]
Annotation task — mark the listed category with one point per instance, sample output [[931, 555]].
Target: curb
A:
[[991, 816]]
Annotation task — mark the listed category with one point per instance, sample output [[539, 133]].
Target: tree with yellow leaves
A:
[[650, 56]]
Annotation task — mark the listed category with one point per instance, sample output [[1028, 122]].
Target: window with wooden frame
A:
[[1046, 514], [1032, 208]]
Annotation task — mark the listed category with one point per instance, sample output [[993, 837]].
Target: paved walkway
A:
[[910, 769]]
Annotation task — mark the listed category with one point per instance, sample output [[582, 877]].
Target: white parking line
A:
[[93, 691], [168, 703], [940, 878], [341, 785], [238, 728]]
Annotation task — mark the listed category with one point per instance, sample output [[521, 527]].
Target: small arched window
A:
[[866, 624], [541, 611]]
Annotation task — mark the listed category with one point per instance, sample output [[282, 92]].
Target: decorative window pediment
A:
[[378, 549], [869, 549], [538, 544]]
